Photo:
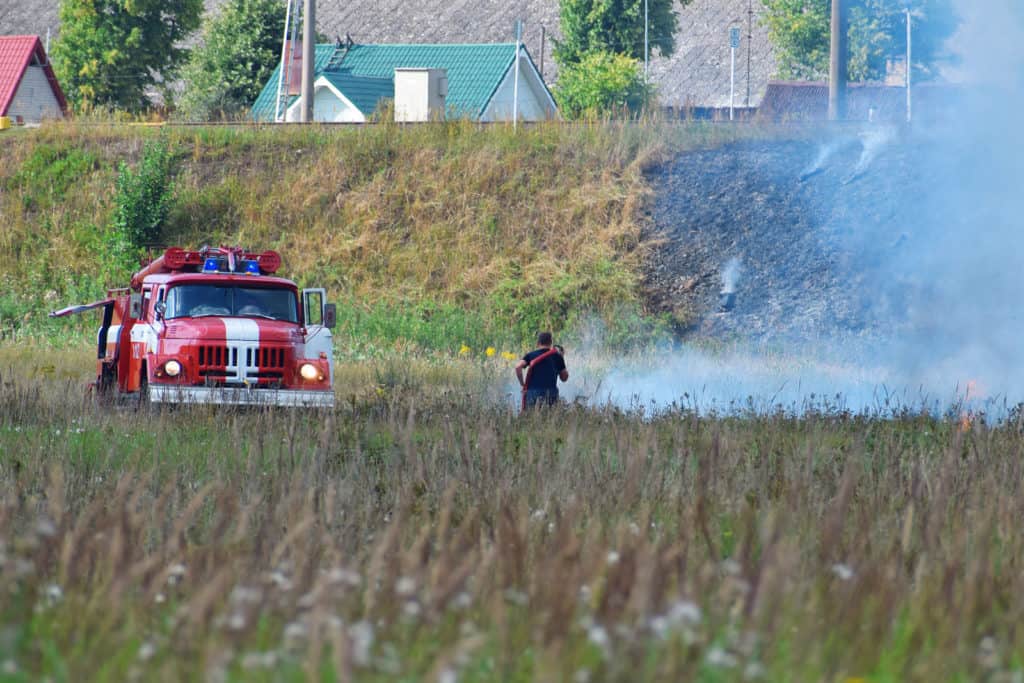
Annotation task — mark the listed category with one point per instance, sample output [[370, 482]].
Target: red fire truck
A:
[[215, 326]]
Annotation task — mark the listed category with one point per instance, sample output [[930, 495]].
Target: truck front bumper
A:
[[241, 396]]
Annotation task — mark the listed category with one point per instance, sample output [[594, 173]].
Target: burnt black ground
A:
[[819, 254]]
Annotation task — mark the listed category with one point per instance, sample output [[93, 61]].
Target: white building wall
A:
[[534, 104], [34, 99], [328, 108]]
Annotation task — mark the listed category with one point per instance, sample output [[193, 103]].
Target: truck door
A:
[[319, 317]]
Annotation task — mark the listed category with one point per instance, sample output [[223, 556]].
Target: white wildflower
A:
[[612, 557], [344, 576], [581, 676], [405, 586], [44, 527], [361, 635], [447, 676], [753, 671], [280, 580], [411, 609], [244, 595], [259, 660], [54, 593], [146, 651], [598, 636], [294, 633], [684, 612], [718, 657], [160, 598], [10, 667], [463, 600], [731, 567], [236, 622], [175, 572], [842, 571]]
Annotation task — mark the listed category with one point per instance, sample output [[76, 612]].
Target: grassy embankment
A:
[[429, 237], [423, 535]]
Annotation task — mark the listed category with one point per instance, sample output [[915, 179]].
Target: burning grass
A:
[[419, 533]]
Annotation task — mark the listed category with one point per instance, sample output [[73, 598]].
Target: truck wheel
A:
[[106, 385], [142, 402]]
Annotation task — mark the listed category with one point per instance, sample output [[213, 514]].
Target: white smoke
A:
[[731, 275], [825, 152], [958, 269], [872, 141]]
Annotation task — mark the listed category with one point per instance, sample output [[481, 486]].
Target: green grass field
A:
[[424, 532]]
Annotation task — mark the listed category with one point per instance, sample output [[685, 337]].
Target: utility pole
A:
[[734, 43], [910, 68], [838, 63], [646, 48], [308, 59], [543, 36], [750, 41], [515, 82]]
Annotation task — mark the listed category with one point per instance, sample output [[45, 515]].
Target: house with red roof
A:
[[29, 91]]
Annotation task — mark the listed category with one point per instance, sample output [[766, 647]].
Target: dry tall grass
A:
[[418, 535], [523, 228]]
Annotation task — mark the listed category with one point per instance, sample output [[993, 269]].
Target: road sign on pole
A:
[[734, 43]]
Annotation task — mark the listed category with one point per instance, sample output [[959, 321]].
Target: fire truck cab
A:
[[215, 326]]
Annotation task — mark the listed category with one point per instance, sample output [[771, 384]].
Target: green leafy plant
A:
[[142, 202], [615, 26], [115, 52], [602, 82], [240, 47], [800, 32]]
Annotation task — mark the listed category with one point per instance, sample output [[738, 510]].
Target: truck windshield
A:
[[197, 300]]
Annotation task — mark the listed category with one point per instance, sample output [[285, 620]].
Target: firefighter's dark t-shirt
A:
[[545, 373]]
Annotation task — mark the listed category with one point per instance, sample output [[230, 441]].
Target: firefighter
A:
[[544, 366]]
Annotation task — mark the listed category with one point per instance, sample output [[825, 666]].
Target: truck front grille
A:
[[240, 364]]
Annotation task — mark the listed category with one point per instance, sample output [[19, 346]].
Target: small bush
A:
[[602, 82], [143, 201]]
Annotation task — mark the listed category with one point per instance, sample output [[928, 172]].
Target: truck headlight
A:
[[309, 372], [172, 368]]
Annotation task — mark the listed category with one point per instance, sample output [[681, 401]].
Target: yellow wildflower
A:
[[464, 350], [508, 356], [491, 351]]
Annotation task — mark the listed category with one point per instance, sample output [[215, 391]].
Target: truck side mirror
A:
[[161, 308], [330, 316]]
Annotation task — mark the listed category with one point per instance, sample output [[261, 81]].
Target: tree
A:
[[799, 30], [115, 52], [241, 47], [615, 26], [601, 82]]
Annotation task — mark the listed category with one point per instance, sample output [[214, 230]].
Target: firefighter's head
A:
[[544, 339]]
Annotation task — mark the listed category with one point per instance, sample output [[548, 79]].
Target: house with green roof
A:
[[480, 83]]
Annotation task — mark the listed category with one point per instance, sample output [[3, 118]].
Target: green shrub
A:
[[143, 201], [602, 82]]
